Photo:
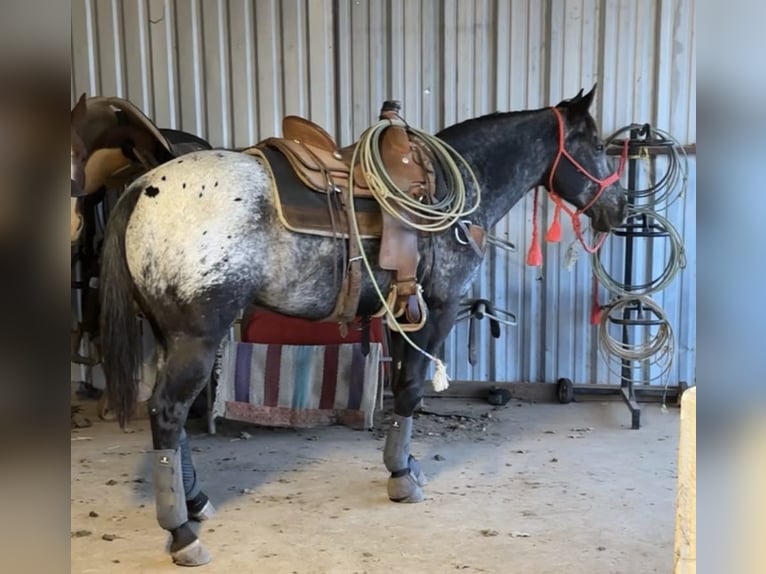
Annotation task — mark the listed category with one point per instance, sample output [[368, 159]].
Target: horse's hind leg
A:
[[198, 504], [188, 363]]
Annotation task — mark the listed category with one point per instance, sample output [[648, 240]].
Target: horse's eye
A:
[[599, 148]]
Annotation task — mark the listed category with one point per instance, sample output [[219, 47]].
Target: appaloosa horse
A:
[[194, 241]]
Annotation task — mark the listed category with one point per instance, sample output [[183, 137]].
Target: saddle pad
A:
[[304, 210], [300, 386]]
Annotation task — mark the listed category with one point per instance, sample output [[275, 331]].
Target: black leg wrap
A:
[[191, 485], [196, 504]]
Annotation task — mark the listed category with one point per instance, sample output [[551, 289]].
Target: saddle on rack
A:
[[125, 142], [311, 175]]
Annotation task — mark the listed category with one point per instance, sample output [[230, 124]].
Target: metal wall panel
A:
[[229, 70]]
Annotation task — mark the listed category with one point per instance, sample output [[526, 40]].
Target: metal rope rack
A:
[[631, 309]]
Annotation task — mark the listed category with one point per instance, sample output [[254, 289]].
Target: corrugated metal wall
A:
[[229, 70]]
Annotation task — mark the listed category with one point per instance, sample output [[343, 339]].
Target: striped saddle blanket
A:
[[298, 386]]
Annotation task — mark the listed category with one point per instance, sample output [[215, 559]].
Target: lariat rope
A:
[[440, 216]]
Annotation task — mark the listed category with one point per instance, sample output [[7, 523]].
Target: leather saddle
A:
[[124, 143], [325, 168]]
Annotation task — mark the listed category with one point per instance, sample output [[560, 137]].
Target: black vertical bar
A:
[[628, 392], [627, 371]]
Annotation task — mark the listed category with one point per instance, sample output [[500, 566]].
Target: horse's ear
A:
[[572, 102], [581, 103], [586, 101], [79, 112]]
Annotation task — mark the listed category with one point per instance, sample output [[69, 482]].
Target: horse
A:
[[112, 142], [195, 240]]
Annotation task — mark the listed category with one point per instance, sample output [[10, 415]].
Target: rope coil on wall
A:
[[654, 354], [671, 185], [652, 225]]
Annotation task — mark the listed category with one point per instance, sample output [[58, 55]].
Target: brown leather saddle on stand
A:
[[124, 143], [308, 154]]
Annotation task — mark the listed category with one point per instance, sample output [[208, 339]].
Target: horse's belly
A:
[[195, 225]]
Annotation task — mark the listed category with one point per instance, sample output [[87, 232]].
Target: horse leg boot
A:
[[186, 368], [407, 478], [171, 505], [198, 504]]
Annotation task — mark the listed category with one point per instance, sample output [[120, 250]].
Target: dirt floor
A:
[[523, 488]]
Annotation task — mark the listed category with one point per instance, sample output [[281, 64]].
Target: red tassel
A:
[[595, 312], [554, 231], [535, 254]]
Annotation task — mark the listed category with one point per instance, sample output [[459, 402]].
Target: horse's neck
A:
[[509, 155]]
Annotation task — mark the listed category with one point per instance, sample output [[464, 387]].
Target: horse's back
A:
[[195, 224]]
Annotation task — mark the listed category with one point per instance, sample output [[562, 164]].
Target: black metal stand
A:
[[629, 231], [635, 315]]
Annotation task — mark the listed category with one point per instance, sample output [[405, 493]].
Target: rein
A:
[[535, 257]]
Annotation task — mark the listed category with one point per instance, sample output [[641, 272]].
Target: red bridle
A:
[[554, 232]]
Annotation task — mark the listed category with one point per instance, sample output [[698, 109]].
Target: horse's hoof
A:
[[405, 488], [192, 555], [104, 413], [206, 513]]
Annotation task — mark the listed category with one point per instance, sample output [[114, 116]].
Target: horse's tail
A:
[[120, 332]]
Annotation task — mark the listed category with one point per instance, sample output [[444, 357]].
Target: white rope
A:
[[676, 261], [658, 350], [666, 190]]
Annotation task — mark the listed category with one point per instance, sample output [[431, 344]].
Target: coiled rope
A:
[[658, 350], [440, 215], [666, 190], [676, 260]]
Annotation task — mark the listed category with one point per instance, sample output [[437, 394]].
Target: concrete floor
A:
[[531, 488]]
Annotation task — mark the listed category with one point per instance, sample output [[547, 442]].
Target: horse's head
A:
[[580, 174], [78, 159]]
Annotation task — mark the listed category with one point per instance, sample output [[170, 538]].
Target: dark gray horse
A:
[[195, 240]]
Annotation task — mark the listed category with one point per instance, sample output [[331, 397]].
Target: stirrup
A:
[[422, 309]]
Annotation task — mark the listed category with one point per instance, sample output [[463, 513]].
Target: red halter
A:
[[553, 235]]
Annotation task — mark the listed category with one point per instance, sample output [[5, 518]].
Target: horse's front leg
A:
[[407, 479], [410, 367]]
